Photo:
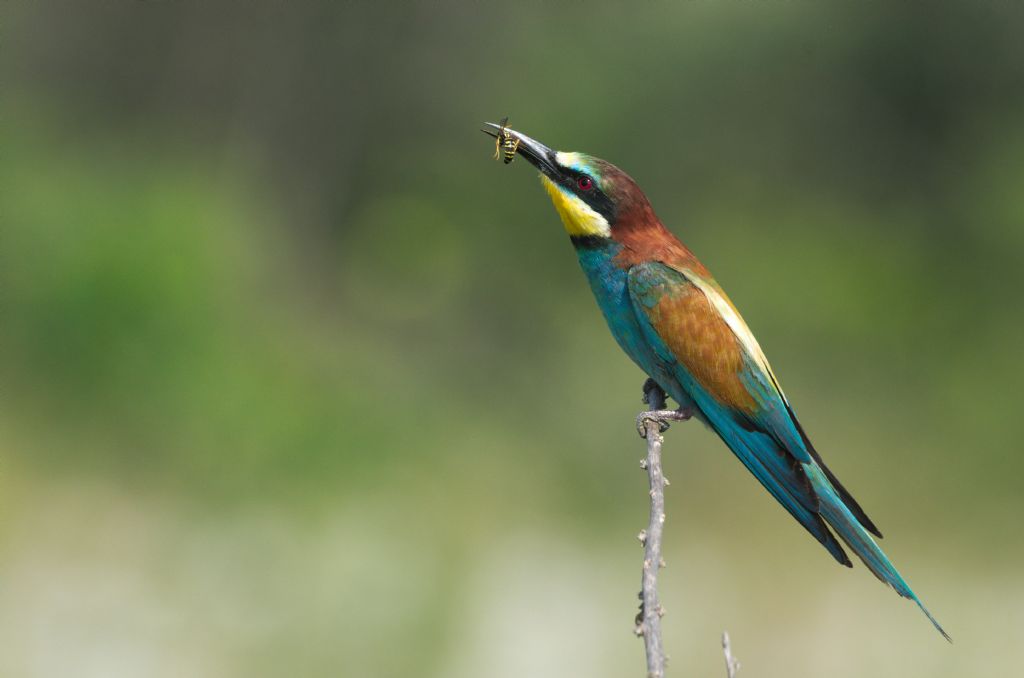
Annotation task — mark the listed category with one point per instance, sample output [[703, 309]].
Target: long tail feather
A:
[[850, 529]]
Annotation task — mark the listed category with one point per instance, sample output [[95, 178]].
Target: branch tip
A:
[[732, 664]]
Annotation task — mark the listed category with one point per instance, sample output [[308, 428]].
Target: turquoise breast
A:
[[609, 285]]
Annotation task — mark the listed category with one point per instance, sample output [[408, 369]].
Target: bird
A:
[[669, 315]]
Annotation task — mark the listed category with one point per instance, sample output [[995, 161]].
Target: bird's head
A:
[[594, 198]]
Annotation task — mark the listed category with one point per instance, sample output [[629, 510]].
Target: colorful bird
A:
[[673, 320]]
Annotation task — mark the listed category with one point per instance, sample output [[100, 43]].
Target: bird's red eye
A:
[[585, 183]]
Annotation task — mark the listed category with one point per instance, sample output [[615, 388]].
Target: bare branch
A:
[[732, 665], [651, 425]]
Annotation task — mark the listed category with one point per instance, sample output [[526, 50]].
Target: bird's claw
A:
[[654, 396], [644, 417], [662, 417]]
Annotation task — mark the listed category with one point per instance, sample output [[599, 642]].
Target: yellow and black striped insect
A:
[[504, 144]]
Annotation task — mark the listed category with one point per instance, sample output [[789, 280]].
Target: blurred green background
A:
[[298, 381]]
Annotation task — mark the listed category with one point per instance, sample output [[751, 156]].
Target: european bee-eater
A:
[[676, 323]]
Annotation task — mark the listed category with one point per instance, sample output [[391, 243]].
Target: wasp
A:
[[504, 144]]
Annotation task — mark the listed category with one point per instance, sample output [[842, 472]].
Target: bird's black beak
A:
[[539, 155]]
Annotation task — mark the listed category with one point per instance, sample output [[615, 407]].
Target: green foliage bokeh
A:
[[298, 381]]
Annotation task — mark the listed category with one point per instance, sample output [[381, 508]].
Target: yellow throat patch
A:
[[578, 217]]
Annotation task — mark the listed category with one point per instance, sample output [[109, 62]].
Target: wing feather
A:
[[727, 377]]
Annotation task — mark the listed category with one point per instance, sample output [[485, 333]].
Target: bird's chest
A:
[[609, 284]]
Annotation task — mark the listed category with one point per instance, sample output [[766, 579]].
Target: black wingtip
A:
[[829, 541], [844, 494]]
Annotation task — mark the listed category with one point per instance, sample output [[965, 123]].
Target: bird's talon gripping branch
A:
[[661, 418]]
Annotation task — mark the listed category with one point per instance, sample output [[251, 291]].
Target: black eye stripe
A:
[[594, 196]]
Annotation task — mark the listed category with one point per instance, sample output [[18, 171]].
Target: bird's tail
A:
[[857, 538]]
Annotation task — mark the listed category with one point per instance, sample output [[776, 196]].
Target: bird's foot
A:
[[654, 395], [662, 417]]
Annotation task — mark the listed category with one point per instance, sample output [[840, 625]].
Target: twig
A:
[[732, 665], [651, 425]]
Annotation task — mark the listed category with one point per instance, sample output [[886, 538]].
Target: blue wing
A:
[[717, 365], [658, 291]]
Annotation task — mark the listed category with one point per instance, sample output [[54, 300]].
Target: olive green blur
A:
[[298, 381]]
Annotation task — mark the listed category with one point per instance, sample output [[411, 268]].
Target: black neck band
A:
[[589, 242]]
